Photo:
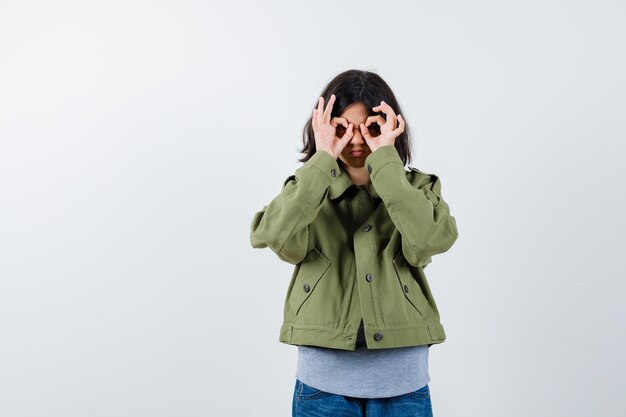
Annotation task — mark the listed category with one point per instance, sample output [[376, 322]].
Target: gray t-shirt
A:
[[364, 373]]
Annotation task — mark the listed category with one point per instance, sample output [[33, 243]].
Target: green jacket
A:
[[358, 253]]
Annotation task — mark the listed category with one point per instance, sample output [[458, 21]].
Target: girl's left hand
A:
[[388, 130]]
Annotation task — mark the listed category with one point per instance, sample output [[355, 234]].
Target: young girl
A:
[[359, 229]]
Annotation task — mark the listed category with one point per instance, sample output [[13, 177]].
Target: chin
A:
[[353, 162], [356, 164]]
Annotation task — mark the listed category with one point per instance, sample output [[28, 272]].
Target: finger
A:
[[335, 121], [320, 110], [369, 139], [376, 118], [346, 137], [365, 132], [349, 132], [314, 119], [386, 108], [329, 108], [401, 124]]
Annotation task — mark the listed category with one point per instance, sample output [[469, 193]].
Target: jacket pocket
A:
[[312, 267], [408, 284]]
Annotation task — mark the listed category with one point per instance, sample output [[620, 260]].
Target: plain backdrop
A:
[[138, 139]]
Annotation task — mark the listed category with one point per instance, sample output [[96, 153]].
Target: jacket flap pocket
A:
[[312, 267], [409, 286]]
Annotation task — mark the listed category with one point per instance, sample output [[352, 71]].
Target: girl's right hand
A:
[[325, 129]]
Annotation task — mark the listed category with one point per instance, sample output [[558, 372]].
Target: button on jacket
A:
[[359, 253]]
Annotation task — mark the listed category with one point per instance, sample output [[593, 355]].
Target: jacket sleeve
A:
[[282, 225], [415, 206]]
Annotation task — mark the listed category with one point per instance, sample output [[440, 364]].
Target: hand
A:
[[388, 130], [325, 129]]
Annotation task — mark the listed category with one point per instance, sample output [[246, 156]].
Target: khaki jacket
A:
[[359, 253]]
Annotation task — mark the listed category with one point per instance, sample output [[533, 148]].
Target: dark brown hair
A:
[[357, 86]]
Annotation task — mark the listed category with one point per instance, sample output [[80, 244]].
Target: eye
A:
[[374, 129]]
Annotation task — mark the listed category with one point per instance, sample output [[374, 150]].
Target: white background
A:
[[138, 139]]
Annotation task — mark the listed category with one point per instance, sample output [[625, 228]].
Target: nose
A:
[[357, 138]]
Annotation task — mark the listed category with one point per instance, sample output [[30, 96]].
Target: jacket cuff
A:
[[316, 175], [381, 157], [324, 163]]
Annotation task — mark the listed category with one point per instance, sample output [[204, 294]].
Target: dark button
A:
[[333, 172], [369, 277], [367, 227], [378, 336], [406, 289], [306, 288], [369, 168]]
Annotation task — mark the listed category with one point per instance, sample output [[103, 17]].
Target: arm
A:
[[417, 209], [282, 225]]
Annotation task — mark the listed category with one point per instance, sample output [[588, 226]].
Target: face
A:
[[356, 114]]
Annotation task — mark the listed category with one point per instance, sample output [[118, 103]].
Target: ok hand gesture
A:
[[388, 130], [325, 129]]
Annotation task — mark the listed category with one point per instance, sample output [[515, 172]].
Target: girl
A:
[[359, 229]]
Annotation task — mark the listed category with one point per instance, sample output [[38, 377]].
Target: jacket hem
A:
[[345, 339]]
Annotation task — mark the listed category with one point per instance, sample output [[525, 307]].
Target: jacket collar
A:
[[342, 182]]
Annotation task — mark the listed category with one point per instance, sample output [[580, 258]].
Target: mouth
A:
[[357, 153]]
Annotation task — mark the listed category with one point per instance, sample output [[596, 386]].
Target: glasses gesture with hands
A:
[[325, 128]]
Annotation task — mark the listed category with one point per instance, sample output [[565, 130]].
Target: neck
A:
[[358, 176]]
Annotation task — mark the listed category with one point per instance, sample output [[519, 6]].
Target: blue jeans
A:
[[310, 402]]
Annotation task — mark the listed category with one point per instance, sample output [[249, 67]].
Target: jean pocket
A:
[[423, 392], [306, 392]]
